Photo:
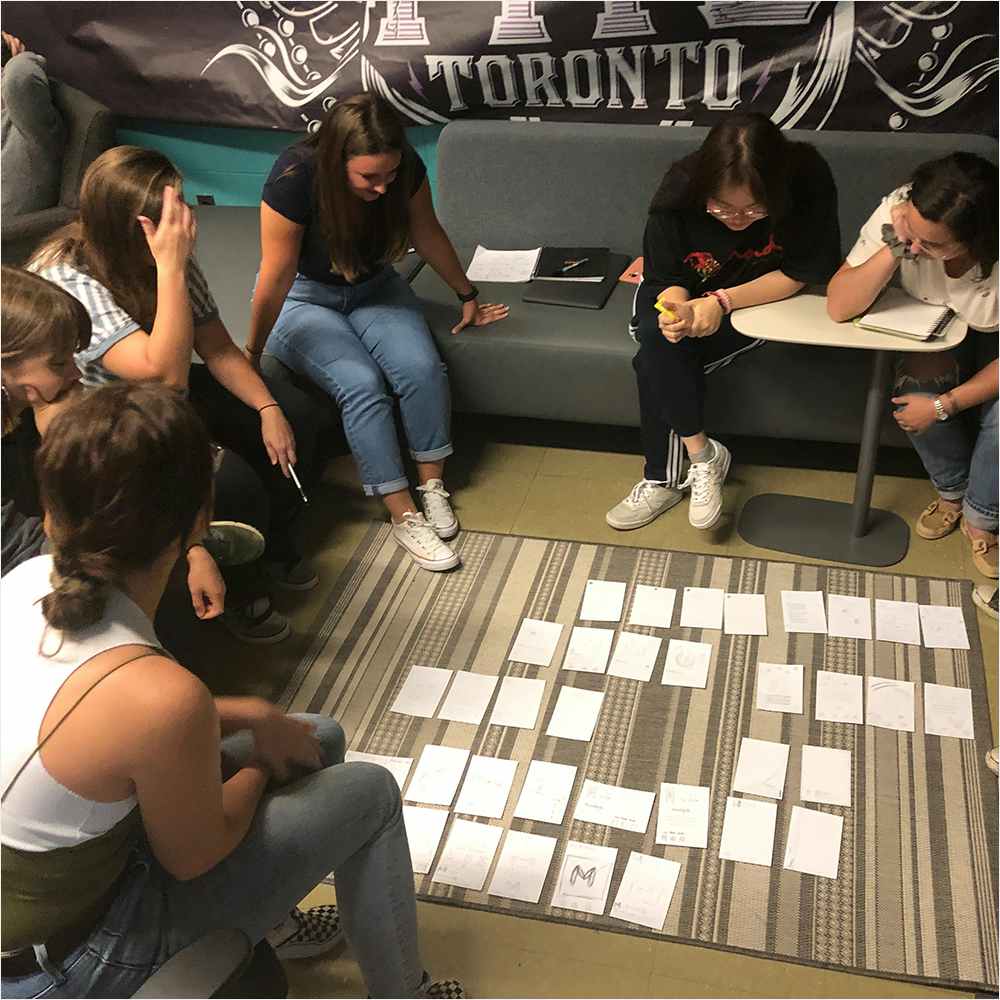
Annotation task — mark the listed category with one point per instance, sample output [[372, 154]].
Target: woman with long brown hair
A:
[[338, 208]]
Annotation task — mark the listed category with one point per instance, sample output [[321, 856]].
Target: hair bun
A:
[[76, 601]]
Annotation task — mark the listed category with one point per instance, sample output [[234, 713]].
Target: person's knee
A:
[[331, 737], [926, 373], [375, 789], [360, 386]]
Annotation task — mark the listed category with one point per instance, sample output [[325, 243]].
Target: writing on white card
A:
[[603, 601], [646, 890], [546, 791], [943, 627], [897, 621], [682, 816], [421, 692], [748, 831], [399, 766], [813, 844], [468, 854], [826, 775], [687, 663], [589, 649], [523, 866], [536, 642], [486, 787], [779, 687], [576, 713], [635, 656], [948, 711], [890, 704], [609, 805], [423, 831], [585, 877], [761, 768], [803, 611], [745, 614], [468, 697], [702, 607], [652, 607], [518, 702], [502, 265], [437, 775], [849, 617], [839, 697]]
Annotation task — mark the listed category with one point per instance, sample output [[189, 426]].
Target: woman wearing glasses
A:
[[746, 219]]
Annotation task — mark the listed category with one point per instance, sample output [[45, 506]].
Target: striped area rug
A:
[[916, 894]]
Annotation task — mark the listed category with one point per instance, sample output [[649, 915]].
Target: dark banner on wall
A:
[[924, 67]]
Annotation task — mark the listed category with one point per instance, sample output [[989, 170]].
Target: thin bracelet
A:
[[267, 406], [250, 350]]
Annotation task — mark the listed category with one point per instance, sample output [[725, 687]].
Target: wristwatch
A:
[[939, 410], [473, 293]]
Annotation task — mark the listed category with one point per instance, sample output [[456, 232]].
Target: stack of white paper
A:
[[687, 663], [779, 687], [748, 831], [803, 611], [585, 877], [682, 819], [502, 265], [423, 831], [635, 656], [486, 787], [399, 766], [745, 614], [437, 775], [536, 642], [850, 617], [890, 704], [813, 845], [603, 601], [468, 697], [652, 607], [897, 621], [943, 627], [589, 649], [546, 791], [421, 692], [826, 775], [518, 702], [761, 768], [468, 854], [524, 863], [576, 713], [948, 711], [839, 697], [702, 607], [609, 805], [646, 890]]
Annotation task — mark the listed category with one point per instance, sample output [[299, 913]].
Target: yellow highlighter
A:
[[666, 310]]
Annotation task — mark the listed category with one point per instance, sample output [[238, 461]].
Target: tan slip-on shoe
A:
[[936, 521]]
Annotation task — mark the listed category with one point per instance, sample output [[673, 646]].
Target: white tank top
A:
[[40, 814]]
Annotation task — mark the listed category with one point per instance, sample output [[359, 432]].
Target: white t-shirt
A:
[[973, 298]]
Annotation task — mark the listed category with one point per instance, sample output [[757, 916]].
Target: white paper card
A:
[[761, 768], [421, 692], [813, 844], [652, 607], [839, 697], [779, 687], [702, 607], [518, 702], [745, 614], [803, 611], [523, 866], [502, 265], [890, 704], [589, 649], [687, 663], [635, 656], [437, 775], [682, 817], [399, 766], [826, 775], [603, 601], [546, 791], [575, 714], [423, 831], [849, 617], [943, 627], [585, 877], [468, 697], [486, 787], [536, 642], [646, 890], [897, 621], [468, 854], [609, 805], [748, 831], [948, 711]]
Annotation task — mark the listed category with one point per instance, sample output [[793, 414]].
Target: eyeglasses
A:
[[713, 208]]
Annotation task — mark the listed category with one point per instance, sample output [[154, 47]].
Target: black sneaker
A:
[[297, 574], [257, 623]]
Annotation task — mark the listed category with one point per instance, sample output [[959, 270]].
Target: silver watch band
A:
[[939, 410]]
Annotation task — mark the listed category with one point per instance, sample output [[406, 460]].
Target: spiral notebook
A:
[[902, 315]]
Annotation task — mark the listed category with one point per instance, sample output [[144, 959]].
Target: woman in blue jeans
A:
[[123, 840], [337, 209]]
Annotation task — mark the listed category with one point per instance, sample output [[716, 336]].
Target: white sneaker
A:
[[417, 535], [647, 501], [705, 480], [437, 510]]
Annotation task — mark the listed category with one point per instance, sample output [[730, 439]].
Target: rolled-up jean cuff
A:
[[433, 456], [984, 521], [383, 489], [954, 493]]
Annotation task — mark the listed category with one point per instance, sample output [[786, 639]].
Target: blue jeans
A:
[[345, 817], [360, 344]]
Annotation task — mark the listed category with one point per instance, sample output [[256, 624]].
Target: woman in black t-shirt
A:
[[748, 218], [337, 210]]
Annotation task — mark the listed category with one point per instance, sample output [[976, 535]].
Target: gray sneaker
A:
[[233, 543], [705, 480], [257, 623], [647, 501]]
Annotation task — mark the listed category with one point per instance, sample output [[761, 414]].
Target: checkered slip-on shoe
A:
[[445, 989], [307, 933]]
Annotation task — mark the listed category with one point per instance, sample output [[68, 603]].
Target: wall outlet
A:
[[206, 199]]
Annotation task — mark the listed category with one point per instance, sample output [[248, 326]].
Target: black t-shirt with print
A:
[[289, 190]]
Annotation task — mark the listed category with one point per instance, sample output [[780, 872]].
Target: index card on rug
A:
[[646, 890], [486, 787], [702, 607], [897, 621], [399, 766], [761, 768], [748, 831], [585, 877], [575, 714], [779, 687], [943, 627], [803, 611], [635, 656], [421, 692], [687, 663], [468, 854], [652, 607], [437, 776], [423, 830], [589, 649], [890, 704], [468, 697], [518, 702], [524, 863], [826, 775], [609, 805], [603, 601], [546, 791], [813, 845], [745, 614], [839, 697], [536, 642], [948, 711], [682, 818], [850, 617]]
